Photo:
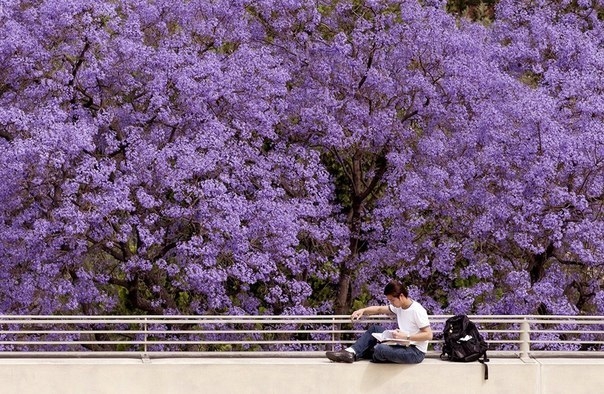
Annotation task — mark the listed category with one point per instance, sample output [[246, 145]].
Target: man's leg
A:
[[362, 348], [397, 354]]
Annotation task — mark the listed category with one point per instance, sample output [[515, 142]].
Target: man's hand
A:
[[400, 334], [356, 315]]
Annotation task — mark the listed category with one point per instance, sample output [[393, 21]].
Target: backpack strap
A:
[[486, 367]]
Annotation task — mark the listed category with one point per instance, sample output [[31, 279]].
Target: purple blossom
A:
[[251, 157]]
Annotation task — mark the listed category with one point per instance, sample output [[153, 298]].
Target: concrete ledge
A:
[[306, 375]]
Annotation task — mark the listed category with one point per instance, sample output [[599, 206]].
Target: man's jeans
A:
[[368, 347]]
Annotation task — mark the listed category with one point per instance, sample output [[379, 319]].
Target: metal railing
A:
[[274, 336]]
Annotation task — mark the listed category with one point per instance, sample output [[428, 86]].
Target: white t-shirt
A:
[[411, 320]]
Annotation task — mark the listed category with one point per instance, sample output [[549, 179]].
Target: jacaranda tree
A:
[[290, 157]]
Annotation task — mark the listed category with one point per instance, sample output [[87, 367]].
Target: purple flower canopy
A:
[[248, 157]]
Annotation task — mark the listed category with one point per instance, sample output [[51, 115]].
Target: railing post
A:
[[333, 333], [145, 336], [525, 338]]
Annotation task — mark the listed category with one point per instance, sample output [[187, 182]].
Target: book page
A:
[[388, 338]]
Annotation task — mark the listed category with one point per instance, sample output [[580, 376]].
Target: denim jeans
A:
[[367, 347]]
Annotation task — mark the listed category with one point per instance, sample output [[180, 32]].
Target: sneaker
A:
[[341, 357]]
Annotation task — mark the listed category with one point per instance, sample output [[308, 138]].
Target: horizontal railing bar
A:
[[199, 317], [226, 332], [260, 331], [144, 332], [70, 332], [505, 318], [567, 353], [191, 332], [285, 322], [243, 342], [153, 341], [533, 331], [163, 322], [567, 342], [167, 342], [171, 341]]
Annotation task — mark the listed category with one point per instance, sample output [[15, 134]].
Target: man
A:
[[413, 325]]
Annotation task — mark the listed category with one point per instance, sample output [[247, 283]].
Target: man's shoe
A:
[[341, 357]]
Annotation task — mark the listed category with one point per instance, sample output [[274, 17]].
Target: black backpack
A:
[[463, 342]]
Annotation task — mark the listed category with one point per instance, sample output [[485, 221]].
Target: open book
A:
[[387, 337]]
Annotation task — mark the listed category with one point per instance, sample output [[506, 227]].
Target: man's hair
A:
[[395, 288]]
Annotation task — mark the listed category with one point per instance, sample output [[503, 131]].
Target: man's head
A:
[[395, 288], [396, 293]]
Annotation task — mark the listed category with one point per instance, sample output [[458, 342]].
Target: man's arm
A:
[[424, 334], [371, 310]]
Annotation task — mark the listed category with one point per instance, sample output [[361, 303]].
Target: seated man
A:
[[413, 325]]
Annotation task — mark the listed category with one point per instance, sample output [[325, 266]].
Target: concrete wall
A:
[[291, 376]]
